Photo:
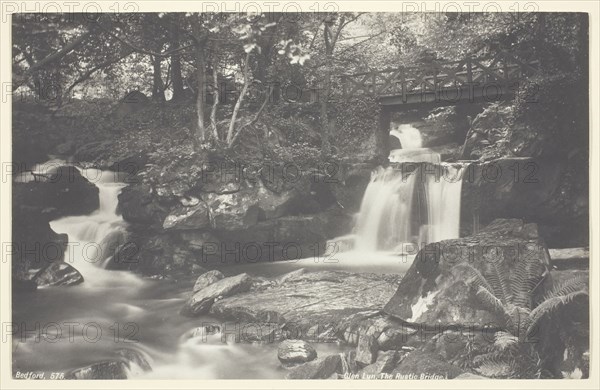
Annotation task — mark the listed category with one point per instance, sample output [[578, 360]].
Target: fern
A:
[[494, 305], [510, 300], [498, 276], [571, 285], [552, 305], [505, 340], [528, 275]]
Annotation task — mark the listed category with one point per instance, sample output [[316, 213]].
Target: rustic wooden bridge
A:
[[471, 79]]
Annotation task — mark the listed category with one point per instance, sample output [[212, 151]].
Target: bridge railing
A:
[[503, 68]]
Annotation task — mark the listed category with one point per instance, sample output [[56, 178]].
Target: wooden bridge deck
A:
[[470, 79], [490, 77]]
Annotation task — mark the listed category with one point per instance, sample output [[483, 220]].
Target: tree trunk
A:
[[200, 76], [213, 111], [176, 65], [324, 96], [323, 115], [238, 103], [176, 77], [200, 39], [158, 91]]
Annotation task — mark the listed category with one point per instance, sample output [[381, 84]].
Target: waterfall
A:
[[409, 136], [93, 238], [391, 215], [384, 219], [443, 194], [409, 206]]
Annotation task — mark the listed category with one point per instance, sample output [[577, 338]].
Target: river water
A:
[[62, 328]]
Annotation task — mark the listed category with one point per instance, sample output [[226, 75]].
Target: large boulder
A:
[[58, 191], [286, 238], [385, 363], [292, 352], [34, 243], [313, 305], [139, 206], [206, 279], [202, 301], [58, 274], [322, 368], [438, 287], [348, 187], [238, 210]]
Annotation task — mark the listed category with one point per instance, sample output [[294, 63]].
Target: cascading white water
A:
[[389, 207], [384, 219], [92, 238], [443, 194], [408, 135]]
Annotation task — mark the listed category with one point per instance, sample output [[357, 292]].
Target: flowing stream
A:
[[62, 328]]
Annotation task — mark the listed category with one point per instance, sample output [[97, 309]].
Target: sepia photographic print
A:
[[390, 194]]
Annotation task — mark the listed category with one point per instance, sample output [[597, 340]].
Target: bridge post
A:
[[383, 132]]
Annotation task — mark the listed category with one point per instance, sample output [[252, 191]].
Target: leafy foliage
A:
[[510, 299]]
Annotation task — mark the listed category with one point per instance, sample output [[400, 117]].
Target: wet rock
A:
[[424, 365], [385, 363], [268, 332], [325, 298], [322, 368], [207, 279], [197, 240], [138, 205], [395, 337], [277, 204], [349, 364], [292, 352], [101, 370], [293, 237], [183, 218], [350, 186], [58, 274], [34, 243], [238, 210], [124, 256], [57, 192], [202, 300], [366, 350], [290, 275], [435, 289]]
